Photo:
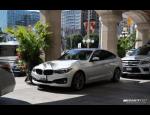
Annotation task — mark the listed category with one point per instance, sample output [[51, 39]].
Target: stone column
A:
[[109, 36], [142, 34], [53, 19]]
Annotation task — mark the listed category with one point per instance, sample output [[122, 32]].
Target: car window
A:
[[76, 55], [141, 51], [104, 55], [96, 54]]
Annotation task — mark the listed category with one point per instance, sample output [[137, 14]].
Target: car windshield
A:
[[145, 50], [76, 55], [131, 52]]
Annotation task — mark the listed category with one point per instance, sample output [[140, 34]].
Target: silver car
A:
[[78, 67], [138, 63]]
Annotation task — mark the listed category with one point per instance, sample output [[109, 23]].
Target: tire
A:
[[78, 81], [124, 75], [40, 87], [116, 76]]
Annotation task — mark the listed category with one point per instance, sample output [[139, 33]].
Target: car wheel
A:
[[116, 76], [40, 87], [78, 81], [124, 75]]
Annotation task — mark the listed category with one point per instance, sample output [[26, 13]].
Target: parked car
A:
[[8, 46], [78, 67], [7, 80], [6, 38], [19, 69], [130, 52], [138, 63]]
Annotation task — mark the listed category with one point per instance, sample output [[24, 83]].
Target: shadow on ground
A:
[[105, 93], [11, 101], [140, 77]]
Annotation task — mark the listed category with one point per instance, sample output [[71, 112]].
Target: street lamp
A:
[[88, 41], [124, 33]]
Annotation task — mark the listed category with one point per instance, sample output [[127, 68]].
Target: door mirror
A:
[[95, 59]]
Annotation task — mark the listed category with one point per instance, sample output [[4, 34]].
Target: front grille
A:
[[48, 72], [133, 70], [44, 72], [146, 69], [130, 62], [39, 71]]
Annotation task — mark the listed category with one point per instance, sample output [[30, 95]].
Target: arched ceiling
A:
[[138, 16]]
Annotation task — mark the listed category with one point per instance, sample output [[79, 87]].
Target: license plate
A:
[[128, 69], [43, 78]]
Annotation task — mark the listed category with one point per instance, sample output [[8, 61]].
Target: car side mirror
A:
[[95, 59]]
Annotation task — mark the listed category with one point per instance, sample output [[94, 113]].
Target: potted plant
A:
[[31, 42]]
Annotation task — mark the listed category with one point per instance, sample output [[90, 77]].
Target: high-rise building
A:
[[12, 18], [72, 21]]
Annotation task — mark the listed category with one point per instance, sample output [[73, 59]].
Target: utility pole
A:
[[88, 29]]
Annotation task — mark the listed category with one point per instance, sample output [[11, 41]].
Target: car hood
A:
[[140, 57], [57, 64]]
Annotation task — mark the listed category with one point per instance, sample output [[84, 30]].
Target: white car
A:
[[78, 67], [138, 63], [130, 52]]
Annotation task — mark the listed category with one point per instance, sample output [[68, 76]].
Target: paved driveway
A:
[[126, 92]]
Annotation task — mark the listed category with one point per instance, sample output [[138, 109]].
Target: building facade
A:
[[12, 18], [72, 21], [93, 17]]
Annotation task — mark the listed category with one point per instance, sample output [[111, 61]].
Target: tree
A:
[[73, 40], [126, 43], [31, 42]]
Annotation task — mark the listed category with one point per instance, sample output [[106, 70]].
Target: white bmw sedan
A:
[[78, 67]]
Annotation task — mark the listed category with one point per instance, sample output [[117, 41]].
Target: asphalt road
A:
[[127, 92]]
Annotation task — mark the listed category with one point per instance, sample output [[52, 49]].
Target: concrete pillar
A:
[[142, 34], [53, 18], [109, 36]]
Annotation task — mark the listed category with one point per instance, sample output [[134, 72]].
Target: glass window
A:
[[145, 50], [104, 55], [76, 55]]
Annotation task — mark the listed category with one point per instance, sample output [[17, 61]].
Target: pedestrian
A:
[[30, 66]]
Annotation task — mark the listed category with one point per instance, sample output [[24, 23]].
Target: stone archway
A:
[[141, 19], [53, 19], [109, 20]]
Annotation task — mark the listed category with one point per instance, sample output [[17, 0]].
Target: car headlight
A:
[[34, 70], [61, 71], [145, 62]]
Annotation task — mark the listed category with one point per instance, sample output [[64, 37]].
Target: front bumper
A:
[[136, 70], [58, 80]]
